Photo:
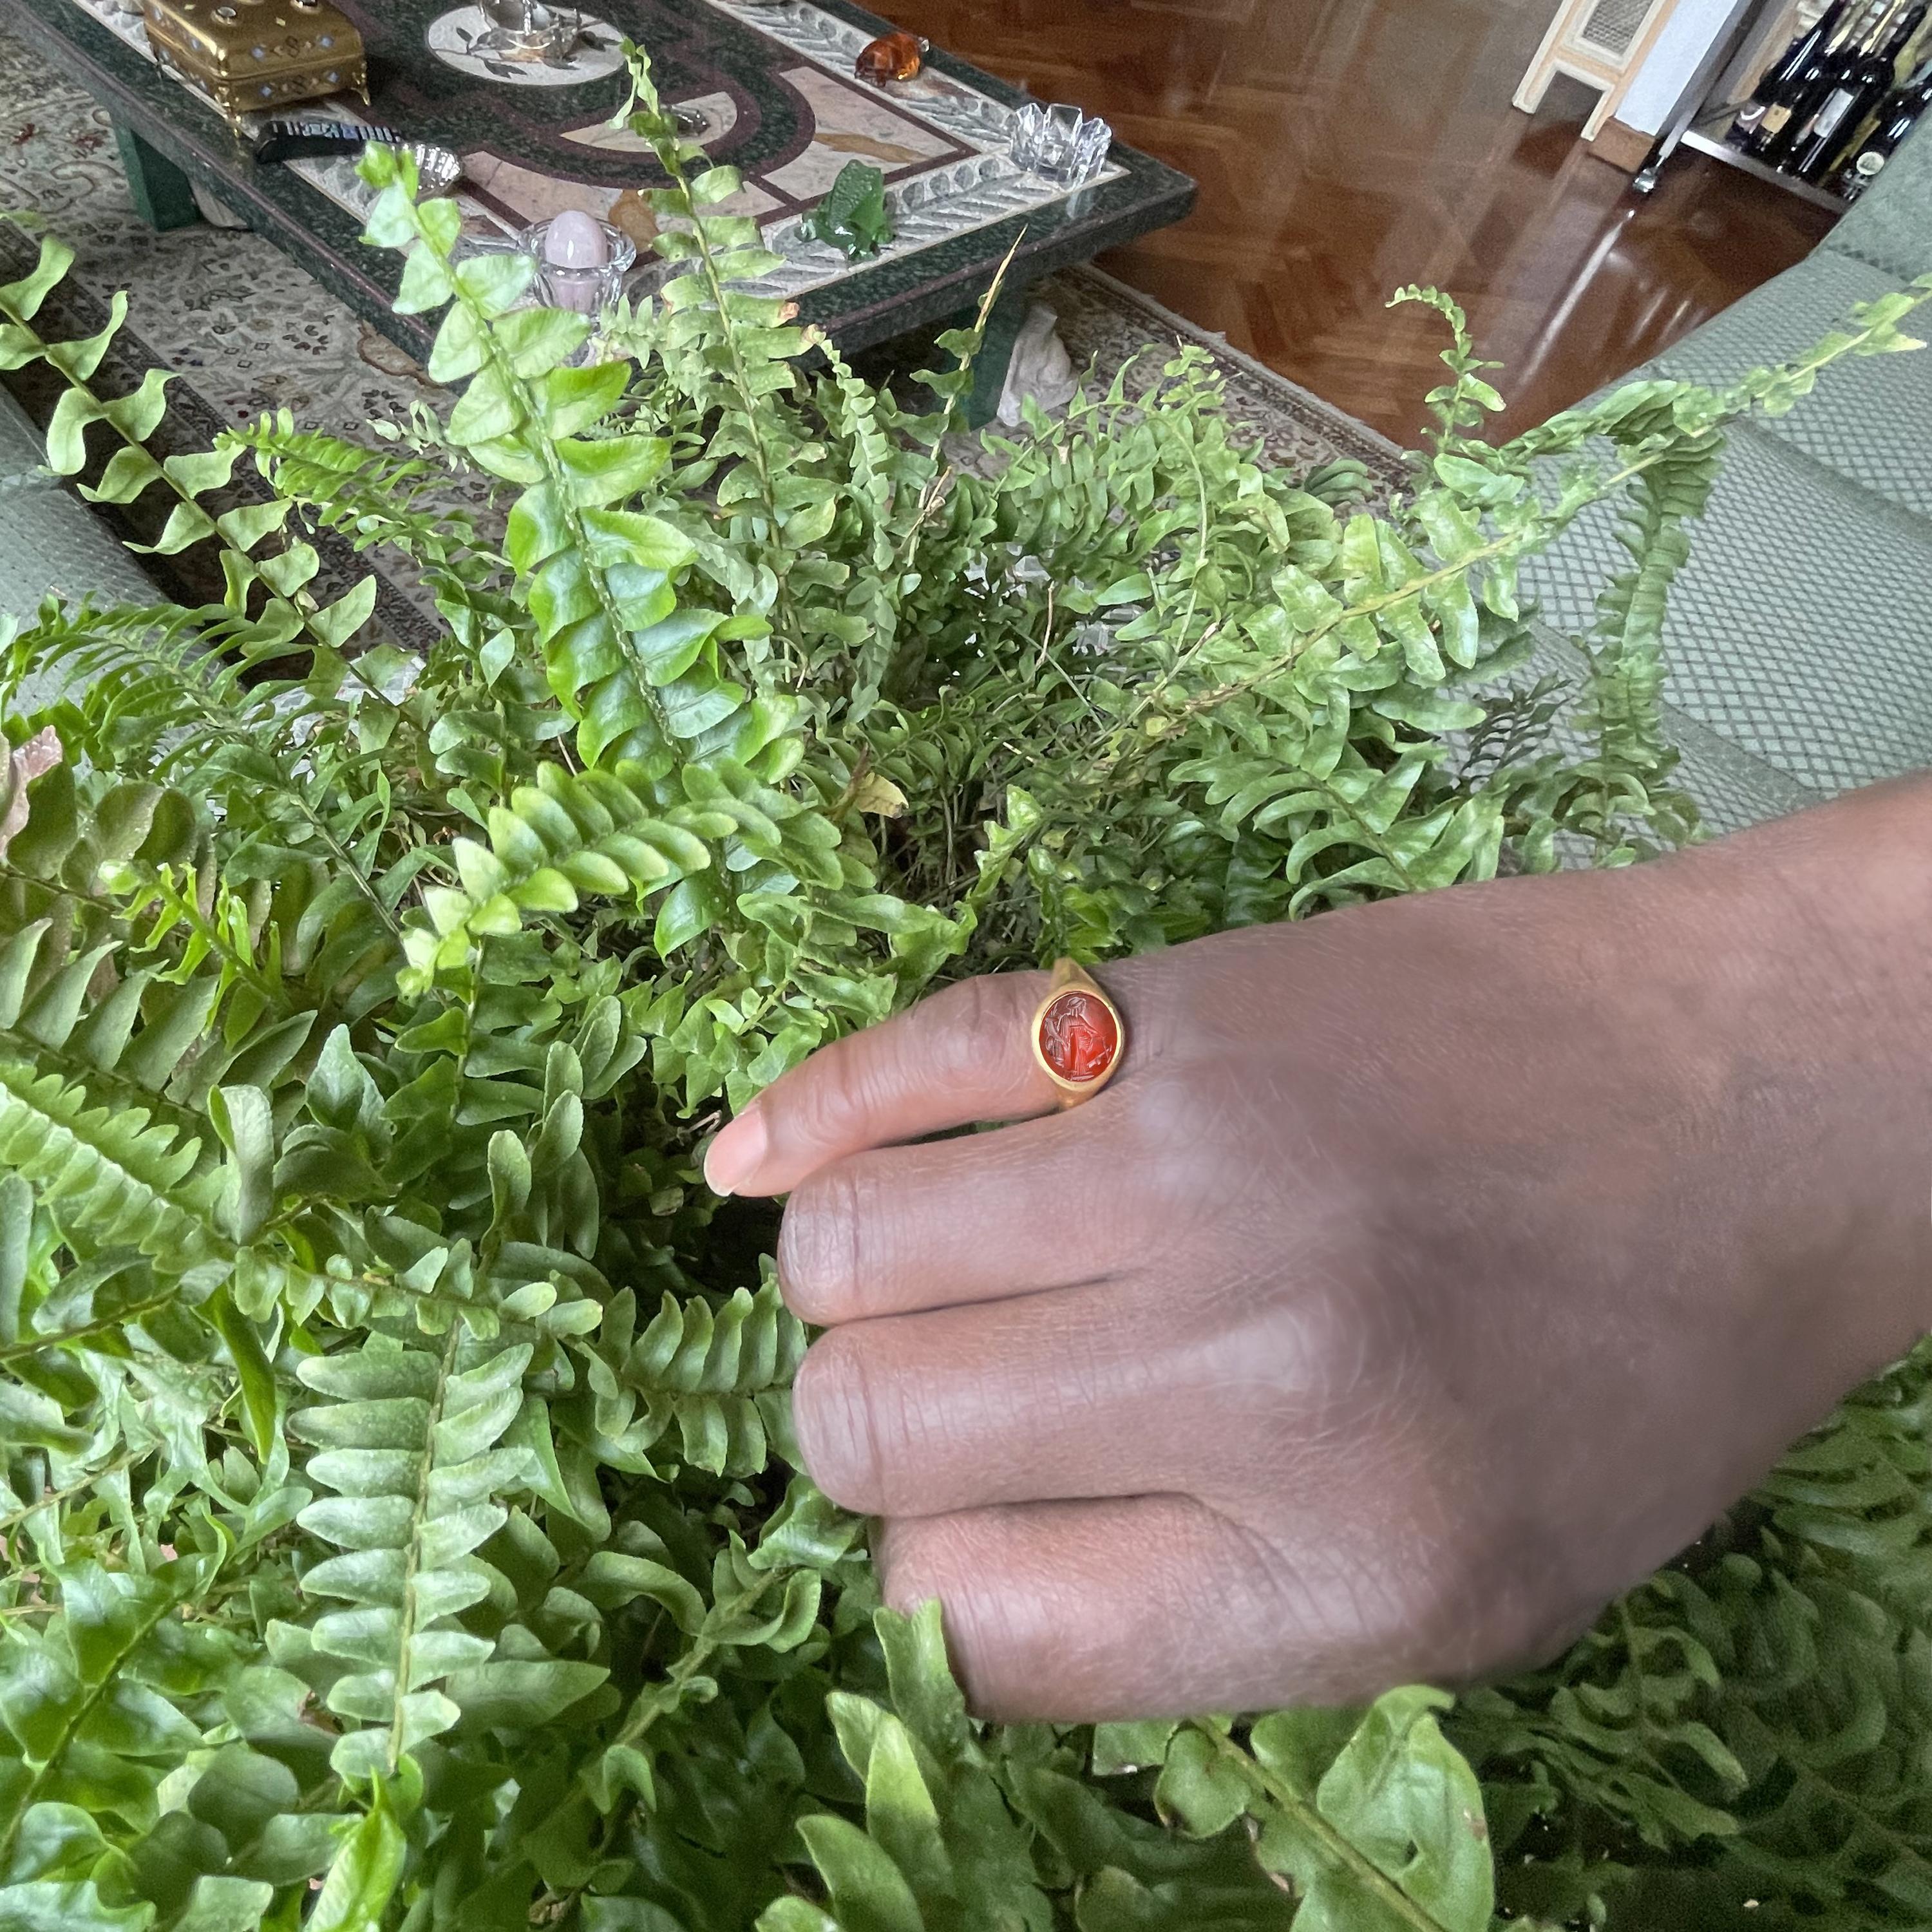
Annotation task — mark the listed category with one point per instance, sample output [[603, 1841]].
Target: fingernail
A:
[[734, 1157]]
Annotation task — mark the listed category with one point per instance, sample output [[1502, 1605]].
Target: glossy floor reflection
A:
[[1346, 147]]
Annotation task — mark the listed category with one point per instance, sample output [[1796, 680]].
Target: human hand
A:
[[1430, 1272]]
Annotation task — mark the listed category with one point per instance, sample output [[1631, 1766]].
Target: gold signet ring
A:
[[1079, 1035]]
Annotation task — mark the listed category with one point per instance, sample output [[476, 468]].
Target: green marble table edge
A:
[[941, 282]]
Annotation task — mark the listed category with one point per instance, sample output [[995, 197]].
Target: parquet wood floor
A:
[[1346, 147]]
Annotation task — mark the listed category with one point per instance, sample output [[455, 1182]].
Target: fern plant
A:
[[404, 1530]]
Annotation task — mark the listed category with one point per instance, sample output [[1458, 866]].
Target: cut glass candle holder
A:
[[529, 30], [1060, 143], [588, 286]]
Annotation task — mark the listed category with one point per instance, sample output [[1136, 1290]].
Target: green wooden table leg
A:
[[996, 351], [163, 196]]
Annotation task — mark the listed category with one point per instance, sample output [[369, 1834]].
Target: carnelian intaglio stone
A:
[[891, 57], [1079, 1036]]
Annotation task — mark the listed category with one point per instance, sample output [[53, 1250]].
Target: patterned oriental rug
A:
[[248, 331]]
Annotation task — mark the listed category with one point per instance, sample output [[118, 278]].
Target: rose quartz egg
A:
[[575, 240]]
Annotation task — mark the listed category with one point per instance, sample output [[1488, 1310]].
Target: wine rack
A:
[[1807, 98]]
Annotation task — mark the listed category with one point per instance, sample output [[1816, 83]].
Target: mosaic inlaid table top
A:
[[774, 82]]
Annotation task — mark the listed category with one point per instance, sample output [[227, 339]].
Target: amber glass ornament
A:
[[891, 57]]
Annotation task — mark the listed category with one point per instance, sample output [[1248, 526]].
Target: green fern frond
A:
[[373, 497], [621, 658], [716, 1373], [411, 1443], [126, 1045], [91, 1702], [113, 1177], [595, 831]]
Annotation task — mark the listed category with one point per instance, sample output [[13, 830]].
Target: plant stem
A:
[[14, 1352], [412, 1551], [12, 1521]]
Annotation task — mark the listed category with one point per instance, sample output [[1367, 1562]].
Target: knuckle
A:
[[835, 1418], [1345, 1358], [1499, 1590], [1175, 1108], [820, 1241], [1341, 1355], [826, 1109], [981, 1026], [1174, 1141]]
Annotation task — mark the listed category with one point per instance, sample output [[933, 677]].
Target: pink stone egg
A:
[[575, 240]]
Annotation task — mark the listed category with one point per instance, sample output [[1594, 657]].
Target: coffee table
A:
[[774, 82]]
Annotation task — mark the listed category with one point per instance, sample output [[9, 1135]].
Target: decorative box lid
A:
[[238, 40]]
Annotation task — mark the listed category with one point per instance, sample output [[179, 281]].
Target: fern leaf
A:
[[112, 1178], [592, 832], [91, 1703], [715, 1375], [409, 1443]]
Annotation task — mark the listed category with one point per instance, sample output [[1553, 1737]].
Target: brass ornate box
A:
[[248, 54]]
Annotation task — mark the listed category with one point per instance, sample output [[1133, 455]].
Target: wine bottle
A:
[[1904, 78], [1782, 71], [1862, 84], [1809, 85], [1897, 118]]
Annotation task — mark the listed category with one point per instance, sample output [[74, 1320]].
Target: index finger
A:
[[963, 1056]]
